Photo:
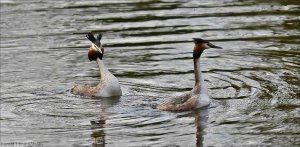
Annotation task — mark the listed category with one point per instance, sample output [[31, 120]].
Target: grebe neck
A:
[[200, 87], [197, 70], [103, 70]]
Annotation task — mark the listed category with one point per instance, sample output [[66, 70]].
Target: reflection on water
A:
[[253, 82], [201, 118], [98, 126], [98, 135]]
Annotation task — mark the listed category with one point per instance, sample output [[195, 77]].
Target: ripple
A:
[[253, 81]]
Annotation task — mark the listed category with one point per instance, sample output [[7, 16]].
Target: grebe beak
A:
[[213, 46]]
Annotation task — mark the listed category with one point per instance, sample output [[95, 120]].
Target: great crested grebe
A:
[[108, 85], [198, 96]]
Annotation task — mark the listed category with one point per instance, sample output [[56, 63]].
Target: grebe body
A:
[[198, 96], [108, 86]]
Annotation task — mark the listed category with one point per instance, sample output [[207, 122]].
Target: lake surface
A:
[[253, 82]]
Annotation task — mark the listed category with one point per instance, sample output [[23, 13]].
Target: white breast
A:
[[203, 98], [109, 86]]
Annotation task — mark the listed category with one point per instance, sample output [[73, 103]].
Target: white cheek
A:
[[206, 46], [96, 48]]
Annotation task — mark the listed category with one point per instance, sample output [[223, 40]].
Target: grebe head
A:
[[204, 44], [201, 45], [96, 50]]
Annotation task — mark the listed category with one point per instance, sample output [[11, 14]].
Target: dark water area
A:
[[253, 82]]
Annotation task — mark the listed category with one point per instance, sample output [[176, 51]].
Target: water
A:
[[253, 82]]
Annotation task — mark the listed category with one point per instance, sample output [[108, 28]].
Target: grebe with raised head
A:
[[198, 96], [108, 85]]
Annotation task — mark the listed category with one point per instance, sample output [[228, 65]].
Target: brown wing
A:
[[186, 101]]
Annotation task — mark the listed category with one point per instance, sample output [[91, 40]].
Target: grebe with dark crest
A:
[[108, 85], [198, 96]]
